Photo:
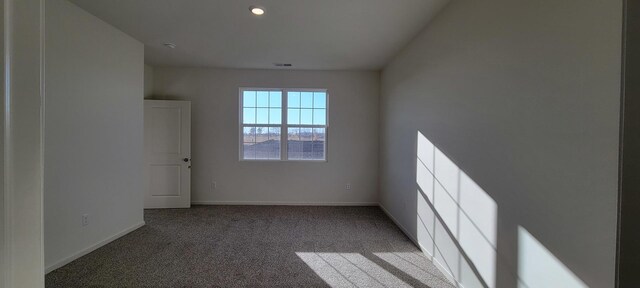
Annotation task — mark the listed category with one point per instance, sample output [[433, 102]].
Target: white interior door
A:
[[167, 143]]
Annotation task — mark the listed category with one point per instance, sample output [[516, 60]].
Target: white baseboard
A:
[[404, 230], [433, 259], [91, 248], [283, 203]]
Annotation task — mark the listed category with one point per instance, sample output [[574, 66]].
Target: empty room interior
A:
[[302, 143]]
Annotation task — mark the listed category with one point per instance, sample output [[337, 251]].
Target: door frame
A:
[[23, 247]]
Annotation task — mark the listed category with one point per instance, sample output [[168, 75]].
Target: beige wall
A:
[[93, 135], [352, 137], [524, 98]]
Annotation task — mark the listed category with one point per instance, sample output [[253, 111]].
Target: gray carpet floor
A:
[[256, 246]]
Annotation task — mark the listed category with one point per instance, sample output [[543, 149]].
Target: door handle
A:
[[185, 159]]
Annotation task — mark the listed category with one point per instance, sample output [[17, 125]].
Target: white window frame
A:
[[284, 126]]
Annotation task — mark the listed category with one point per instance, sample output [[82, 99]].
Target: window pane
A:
[[264, 108], [266, 145], [294, 134], [249, 115], [249, 139], [275, 99], [274, 133], [262, 134], [306, 116], [305, 144], [293, 116], [273, 151], [319, 134], [262, 116], [249, 134], [247, 151], [320, 100], [263, 99], [249, 99], [306, 100], [293, 99], [294, 145], [306, 134], [275, 116], [319, 117]]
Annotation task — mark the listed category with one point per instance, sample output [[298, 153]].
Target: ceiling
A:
[[310, 34]]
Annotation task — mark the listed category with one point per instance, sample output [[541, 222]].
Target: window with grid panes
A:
[[283, 124]]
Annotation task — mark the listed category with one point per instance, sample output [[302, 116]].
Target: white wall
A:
[[352, 137], [93, 133], [23, 152], [148, 81], [523, 97]]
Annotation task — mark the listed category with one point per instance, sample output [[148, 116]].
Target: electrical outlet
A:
[[214, 185], [348, 186], [85, 219]]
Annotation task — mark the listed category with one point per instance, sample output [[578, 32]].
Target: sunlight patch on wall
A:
[[539, 268], [456, 218]]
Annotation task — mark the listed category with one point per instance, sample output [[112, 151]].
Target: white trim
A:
[[91, 248], [43, 97], [283, 203], [5, 253], [14, 273], [446, 272], [404, 230]]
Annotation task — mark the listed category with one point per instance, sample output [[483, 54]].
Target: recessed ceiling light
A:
[[256, 10], [169, 45]]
